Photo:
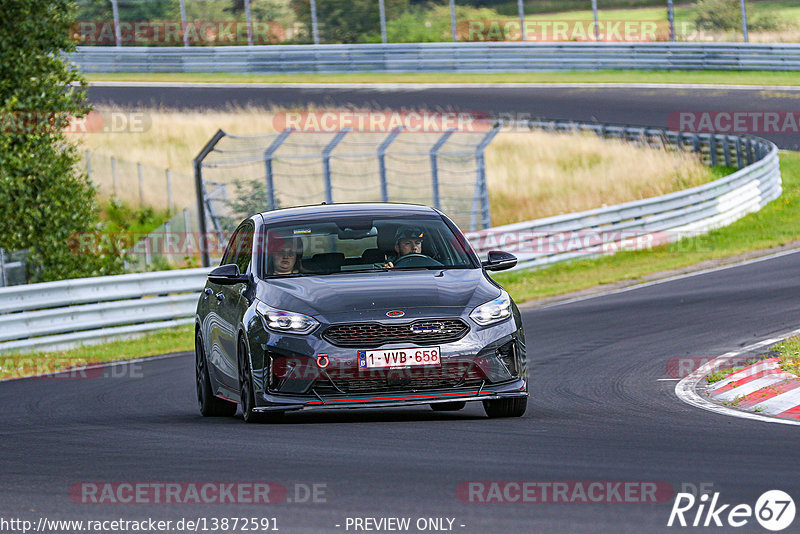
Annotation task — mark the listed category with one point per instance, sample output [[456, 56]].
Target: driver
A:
[[407, 240]]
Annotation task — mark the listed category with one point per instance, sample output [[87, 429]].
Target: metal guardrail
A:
[[440, 57], [58, 315], [652, 221]]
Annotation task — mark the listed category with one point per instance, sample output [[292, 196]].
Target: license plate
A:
[[403, 357]]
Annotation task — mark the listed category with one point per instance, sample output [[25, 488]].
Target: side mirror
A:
[[499, 261], [227, 275]]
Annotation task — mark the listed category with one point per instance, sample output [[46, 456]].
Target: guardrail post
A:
[[739, 155], [269, 154], [481, 188], [435, 166], [712, 149], [326, 163], [200, 191], [382, 161], [748, 149], [696, 143], [726, 150]]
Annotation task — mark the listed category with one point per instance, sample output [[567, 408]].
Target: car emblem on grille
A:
[[395, 313], [426, 329]]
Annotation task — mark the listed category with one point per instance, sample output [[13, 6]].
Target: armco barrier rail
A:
[[651, 221], [440, 57], [56, 315]]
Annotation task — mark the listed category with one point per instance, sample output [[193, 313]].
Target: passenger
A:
[[407, 240]]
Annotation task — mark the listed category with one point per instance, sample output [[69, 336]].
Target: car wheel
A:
[[448, 406], [505, 407], [210, 405], [248, 395]]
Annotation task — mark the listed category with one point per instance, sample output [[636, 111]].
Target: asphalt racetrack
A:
[[602, 409], [643, 106]]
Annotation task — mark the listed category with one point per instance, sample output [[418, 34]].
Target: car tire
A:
[[248, 396], [209, 404], [505, 407], [448, 406]]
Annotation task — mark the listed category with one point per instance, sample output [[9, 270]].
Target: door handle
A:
[[220, 296]]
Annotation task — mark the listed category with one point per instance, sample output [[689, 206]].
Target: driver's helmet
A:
[[408, 232]]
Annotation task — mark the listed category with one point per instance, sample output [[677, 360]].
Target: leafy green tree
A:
[[347, 21], [46, 203], [726, 15]]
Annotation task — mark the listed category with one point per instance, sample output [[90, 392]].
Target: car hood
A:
[[368, 296]]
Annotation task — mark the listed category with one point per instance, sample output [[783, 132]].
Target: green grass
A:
[[789, 354], [776, 224], [609, 76], [166, 341]]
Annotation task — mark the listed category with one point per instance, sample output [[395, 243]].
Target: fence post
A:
[[671, 18], [184, 26], [4, 277], [269, 154], [326, 163], [89, 166], [382, 161], [453, 20], [114, 174], [481, 187], [435, 167], [200, 191], [141, 184], [249, 22], [382, 13], [170, 204], [739, 155], [521, 9], [314, 26]]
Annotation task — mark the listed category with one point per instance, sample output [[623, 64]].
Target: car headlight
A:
[[286, 321], [493, 311]]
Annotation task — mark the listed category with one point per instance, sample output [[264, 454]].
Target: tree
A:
[[45, 201], [347, 21]]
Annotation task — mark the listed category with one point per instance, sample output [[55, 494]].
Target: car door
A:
[[214, 325], [231, 306]]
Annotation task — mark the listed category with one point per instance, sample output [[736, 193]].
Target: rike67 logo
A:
[[774, 510]]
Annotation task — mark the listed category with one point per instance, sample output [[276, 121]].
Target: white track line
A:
[[420, 86], [686, 388]]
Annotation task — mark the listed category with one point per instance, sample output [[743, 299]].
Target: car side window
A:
[[230, 252], [244, 250]]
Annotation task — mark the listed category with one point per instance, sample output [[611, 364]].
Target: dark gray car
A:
[[356, 306]]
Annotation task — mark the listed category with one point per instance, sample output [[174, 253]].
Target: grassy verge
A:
[[176, 339], [789, 353], [775, 225], [610, 76]]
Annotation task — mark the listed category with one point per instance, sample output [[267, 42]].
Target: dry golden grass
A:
[[537, 174], [530, 174]]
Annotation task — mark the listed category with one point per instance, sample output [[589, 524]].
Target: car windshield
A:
[[357, 243]]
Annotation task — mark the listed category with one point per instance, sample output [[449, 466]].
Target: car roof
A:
[[360, 208]]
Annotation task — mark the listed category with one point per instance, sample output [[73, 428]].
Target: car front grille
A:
[[375, 334], [458, 374]]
